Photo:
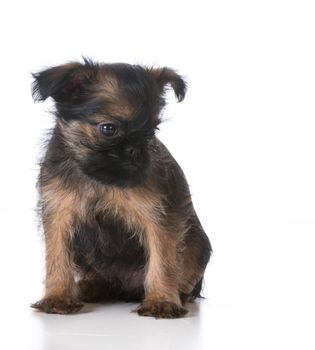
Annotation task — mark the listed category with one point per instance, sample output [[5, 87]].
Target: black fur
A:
[[103, 247], [74, 88]]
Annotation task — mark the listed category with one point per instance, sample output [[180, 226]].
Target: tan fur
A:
[[116, 104], [140, 209], [58, 213], [77, 134], [113, 188]]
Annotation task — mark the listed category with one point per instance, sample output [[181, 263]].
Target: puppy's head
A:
[[107, 115]]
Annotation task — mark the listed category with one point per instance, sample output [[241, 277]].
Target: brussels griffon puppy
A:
[[118, 219]]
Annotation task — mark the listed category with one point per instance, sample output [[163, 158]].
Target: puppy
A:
[[118, 219]]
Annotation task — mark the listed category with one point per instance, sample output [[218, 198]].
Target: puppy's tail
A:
[[196, 292]]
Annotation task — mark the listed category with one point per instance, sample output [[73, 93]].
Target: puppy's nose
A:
[[131, 151]]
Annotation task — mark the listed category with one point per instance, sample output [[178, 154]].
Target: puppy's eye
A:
[[108, 129]]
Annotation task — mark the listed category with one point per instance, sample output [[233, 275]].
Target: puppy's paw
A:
[[161, 309], [58, 305]]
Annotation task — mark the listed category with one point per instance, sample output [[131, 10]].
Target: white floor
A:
[[259, 294]]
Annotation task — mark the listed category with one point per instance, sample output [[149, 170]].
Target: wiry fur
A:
[[116, 210]]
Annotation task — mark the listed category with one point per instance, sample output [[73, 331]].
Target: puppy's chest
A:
[[135, 208], [110, 229], [106, 240]]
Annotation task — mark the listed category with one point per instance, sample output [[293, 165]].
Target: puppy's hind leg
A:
[[194, 258]]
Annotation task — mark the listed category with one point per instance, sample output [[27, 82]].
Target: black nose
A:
[[131, 151]]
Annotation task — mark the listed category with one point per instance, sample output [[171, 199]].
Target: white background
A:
[[244, 136]]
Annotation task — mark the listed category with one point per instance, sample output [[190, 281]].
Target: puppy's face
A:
[[107, 115]]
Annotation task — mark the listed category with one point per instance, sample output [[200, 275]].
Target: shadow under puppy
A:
[[115, 206]]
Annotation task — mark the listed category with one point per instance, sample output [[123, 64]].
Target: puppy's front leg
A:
[[61, 291], [161, 282]]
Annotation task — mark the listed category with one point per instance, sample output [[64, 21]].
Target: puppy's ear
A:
[[66, 83], [164, 76]]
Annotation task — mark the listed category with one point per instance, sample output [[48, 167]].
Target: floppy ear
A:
[[164, 76], [65, 83]]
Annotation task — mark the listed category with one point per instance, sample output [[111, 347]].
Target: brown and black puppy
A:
[[115, 206]]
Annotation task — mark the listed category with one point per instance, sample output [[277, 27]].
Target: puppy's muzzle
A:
[[132, 152]]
